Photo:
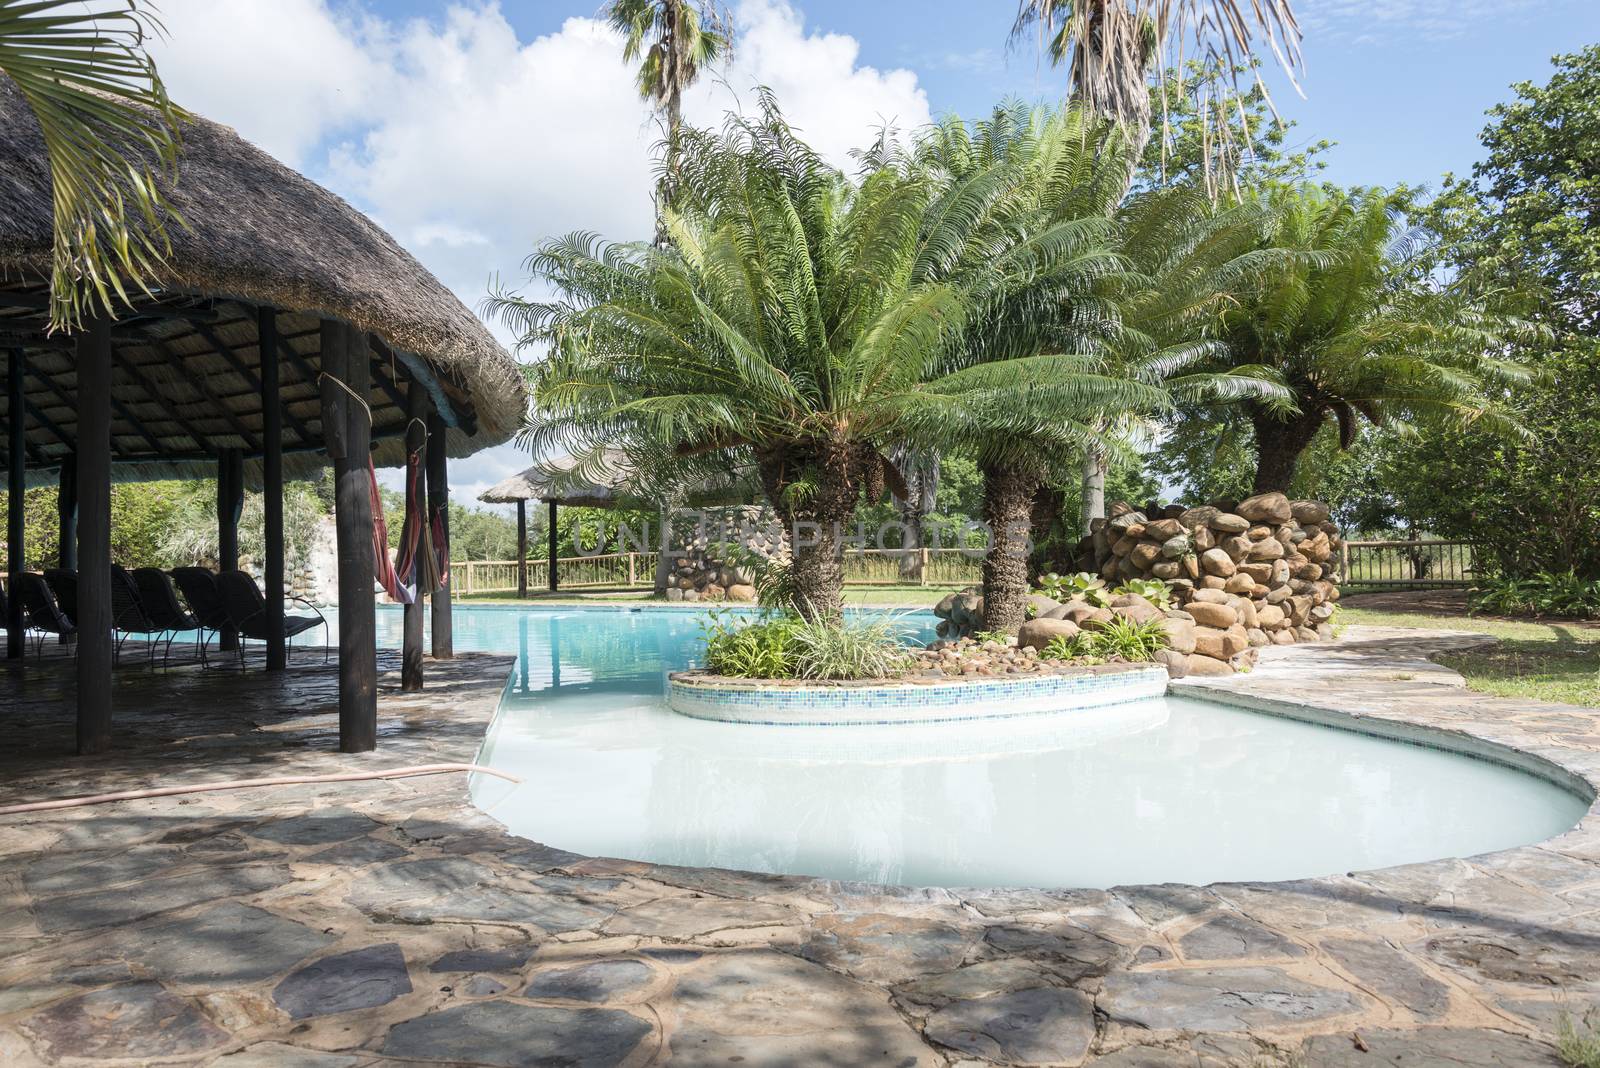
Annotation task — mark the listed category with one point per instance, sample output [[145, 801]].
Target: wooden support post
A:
[[94, 536], [522, 549], [416, 502], [347, 374], [230, 503], [272, 485], [16, 490], [439, 501], [554, 585], [67, 514]]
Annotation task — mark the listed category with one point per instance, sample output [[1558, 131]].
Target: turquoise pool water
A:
[[1169, 790]]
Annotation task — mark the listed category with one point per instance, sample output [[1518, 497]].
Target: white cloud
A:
[[470, 145]]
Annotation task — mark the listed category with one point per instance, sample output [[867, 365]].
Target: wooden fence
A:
[[1424, 562], [635, 570]]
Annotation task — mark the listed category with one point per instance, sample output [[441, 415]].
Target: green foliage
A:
[[742, 649], [1120, 638], [1117, 639], [1079, 647], [1578, 1041], [1564, 595], [788, 647], [1153, 590], [1091, 588], [870, 646]]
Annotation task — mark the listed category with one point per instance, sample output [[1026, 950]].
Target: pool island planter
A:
[[780, 702]]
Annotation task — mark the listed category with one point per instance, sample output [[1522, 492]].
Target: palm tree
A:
[[1111, 47], [111, 135], [1358, 328], [675, 39], [780, 325]]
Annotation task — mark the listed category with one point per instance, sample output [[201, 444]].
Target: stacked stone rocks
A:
[[699, 577], [1260, 572]]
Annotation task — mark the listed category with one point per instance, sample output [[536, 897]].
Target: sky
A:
[[473, 130]]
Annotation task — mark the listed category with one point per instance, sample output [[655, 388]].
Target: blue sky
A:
[[473, 129], [1401, 85]]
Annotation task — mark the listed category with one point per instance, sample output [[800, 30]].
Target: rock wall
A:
[[1245, 575], [1262, 571]]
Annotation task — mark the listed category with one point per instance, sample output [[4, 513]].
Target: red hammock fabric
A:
[[411, 575]]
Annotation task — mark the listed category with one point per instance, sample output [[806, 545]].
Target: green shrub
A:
[[788, 647], [1578, 1041], [1544, 594], [1078, 647], [763, 649], [1153, 590], [1118, 639], [1065, 587], [860, 647]]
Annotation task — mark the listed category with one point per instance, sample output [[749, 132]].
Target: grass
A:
[[1557, 661], [1578, 1042]]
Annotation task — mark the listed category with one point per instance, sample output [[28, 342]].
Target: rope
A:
[[359, 399]]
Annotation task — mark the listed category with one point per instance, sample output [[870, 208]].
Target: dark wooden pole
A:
[[67, 514], [347, 429], [522, 548], [16, 492], [230, 503], [94, 536], [439, 501], [416, 502], [552, 551], [272, 485]]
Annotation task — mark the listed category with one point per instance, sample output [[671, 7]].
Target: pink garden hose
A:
[[240, 784]]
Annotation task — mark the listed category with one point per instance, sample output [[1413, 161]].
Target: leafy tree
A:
[[780, 325], [110, 134], [1527, 224], [1358, 327]]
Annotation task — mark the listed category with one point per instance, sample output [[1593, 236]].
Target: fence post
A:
[[1344, 560], [631, 579], [468, 564], [922, 572]]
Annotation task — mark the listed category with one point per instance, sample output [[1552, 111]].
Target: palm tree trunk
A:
[[1279, 443], [1008, 491], [1095, 466], [816, 524]]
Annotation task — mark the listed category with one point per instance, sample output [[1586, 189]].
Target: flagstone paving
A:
[[354, 924]]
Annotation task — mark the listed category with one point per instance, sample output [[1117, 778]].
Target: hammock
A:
[[413, 574]]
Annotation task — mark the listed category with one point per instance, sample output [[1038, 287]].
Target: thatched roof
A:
[[612, 480], [608, 483], [258, 235]]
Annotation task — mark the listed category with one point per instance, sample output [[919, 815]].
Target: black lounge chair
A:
[[247, 611], [64, 585], [199, 588], [40, 612], [161, 607], [128, 614]]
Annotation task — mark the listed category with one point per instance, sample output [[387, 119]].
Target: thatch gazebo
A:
[[288, 332], [607, 482]]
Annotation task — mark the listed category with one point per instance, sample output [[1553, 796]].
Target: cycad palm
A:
[[780, 326], [1357, 329], [108, 129]]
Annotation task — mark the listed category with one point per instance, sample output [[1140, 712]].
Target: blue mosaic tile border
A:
[[1000, 698]]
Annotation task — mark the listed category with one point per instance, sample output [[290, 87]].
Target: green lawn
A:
[[1554, 661]]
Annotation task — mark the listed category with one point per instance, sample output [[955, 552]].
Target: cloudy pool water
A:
[[1170, 790]]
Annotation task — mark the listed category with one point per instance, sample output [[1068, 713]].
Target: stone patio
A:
[[391, 922]]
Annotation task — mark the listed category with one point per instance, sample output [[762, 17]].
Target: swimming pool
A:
[[1166, 790]]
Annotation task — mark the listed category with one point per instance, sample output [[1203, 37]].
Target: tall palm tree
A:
[[672, 40], [1358, 328], [1112, 47], [111, 136]]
